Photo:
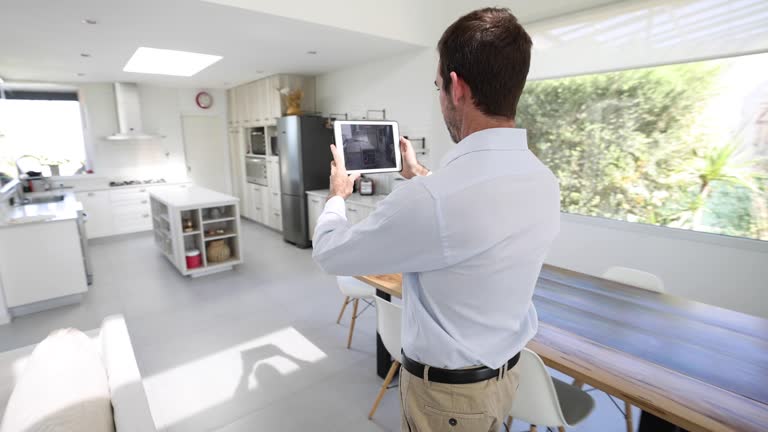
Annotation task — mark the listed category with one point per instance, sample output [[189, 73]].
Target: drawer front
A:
[[129, 194], [133, 207], [132, 222], [276, 220], [275, 202], [256, 196]]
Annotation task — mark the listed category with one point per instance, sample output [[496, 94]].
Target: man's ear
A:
[[458, 88]]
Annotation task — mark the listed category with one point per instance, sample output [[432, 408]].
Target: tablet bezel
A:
[[395, 135]]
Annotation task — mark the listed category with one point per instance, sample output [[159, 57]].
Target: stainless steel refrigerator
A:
[[305, 157]]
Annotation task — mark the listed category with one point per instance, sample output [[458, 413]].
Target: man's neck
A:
[[476, 121]]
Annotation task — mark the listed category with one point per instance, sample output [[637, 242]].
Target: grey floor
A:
[[252, 349]]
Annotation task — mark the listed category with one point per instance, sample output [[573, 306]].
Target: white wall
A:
[[730, 273], [403, 85], [162, 108]]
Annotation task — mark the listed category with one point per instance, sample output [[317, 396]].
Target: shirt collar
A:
[[488, 139]]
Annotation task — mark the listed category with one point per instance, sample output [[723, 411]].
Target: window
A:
[[682, 146], [45, 125]]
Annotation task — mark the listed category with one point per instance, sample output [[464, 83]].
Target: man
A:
[[470, 239]]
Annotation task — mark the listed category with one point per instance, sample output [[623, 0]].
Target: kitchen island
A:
[[199, 220]]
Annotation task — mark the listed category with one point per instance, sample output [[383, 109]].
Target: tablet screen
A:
[[368, 146]]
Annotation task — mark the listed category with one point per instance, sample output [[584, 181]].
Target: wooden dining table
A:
[[697, 366]]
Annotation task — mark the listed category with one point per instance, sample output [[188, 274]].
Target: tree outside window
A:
[[683, 146]]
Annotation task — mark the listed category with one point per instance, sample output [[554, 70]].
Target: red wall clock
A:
[[204, 100]]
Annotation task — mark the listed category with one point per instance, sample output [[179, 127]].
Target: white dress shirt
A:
[[470, 241]]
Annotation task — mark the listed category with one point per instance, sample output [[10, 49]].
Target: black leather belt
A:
[[455, 376]]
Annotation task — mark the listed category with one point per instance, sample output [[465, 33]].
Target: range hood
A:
[[129, 114]]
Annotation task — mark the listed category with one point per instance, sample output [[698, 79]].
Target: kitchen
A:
[[181, 191]]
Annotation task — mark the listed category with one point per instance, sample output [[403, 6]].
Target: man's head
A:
[[484, 61]]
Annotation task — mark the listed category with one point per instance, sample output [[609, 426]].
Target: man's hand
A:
[[341, 182], [411, 167]]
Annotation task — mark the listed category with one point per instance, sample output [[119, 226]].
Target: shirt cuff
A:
[[336, 205]]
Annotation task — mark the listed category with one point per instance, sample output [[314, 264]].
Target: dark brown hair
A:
[[491, 52]]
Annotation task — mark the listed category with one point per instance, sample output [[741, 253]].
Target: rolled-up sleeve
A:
[[401, 235]]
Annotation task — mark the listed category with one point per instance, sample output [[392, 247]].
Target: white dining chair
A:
[[636, 278], [639, 279], [545, 401], [388, 323], [354, 291]]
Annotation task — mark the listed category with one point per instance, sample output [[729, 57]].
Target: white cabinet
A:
[[97, 206], [260, 103], [315, 205], [231, 108], [32, 272], [257, 197], [275, 219], [237, 167], [241, 105], [357, 212], [130, 210], [119, 211]]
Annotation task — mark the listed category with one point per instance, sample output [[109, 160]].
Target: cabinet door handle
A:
[[352, 210], [316, 201], [91, 194], [144, 202], [145, 215], [142, 190]]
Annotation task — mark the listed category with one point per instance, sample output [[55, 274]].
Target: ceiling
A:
[[42, 40]]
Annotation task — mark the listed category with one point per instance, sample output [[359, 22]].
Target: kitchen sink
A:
[[42, 199]]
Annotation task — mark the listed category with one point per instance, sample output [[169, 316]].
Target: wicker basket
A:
[[218, 251]]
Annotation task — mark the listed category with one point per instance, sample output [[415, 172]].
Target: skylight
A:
[[168, 62]]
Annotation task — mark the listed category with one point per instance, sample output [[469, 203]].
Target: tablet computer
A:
[[369, 146]]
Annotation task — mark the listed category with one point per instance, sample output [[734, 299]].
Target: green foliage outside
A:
[[624, 145]]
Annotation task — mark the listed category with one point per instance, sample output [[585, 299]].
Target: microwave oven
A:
[[257, 141]]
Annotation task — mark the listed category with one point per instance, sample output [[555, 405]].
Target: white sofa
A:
[[129, 401]]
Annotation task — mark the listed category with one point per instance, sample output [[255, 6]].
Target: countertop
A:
[[194, 196], [355, 198], [66, 209]]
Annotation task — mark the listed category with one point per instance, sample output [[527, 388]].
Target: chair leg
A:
[[387, 380], [509, 422], [352, 324], [578, 384], [533, 429], [560, 429], [344, 306], [628, 416]]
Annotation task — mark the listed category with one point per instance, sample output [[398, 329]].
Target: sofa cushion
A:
[[63, 388]]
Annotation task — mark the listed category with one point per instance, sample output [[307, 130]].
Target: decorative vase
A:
[[218, 251]]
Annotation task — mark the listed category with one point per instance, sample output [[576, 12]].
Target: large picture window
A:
[[682, 146], [43, 131]]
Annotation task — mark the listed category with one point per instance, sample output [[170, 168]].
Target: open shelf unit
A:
[[207, 227]]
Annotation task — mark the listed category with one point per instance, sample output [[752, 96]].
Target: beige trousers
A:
[[436, 407]]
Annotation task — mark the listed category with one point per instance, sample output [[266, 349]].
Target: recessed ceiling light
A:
[[80, 74], [89, 21], [168, 62], [311, 52], [86, 55]]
